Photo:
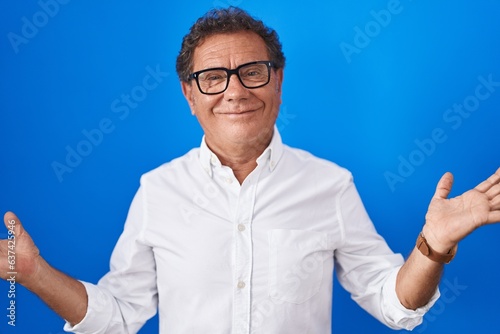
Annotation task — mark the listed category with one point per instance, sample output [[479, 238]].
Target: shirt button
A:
[[241, 227], [229, 180], [213, 159], [241, 285]]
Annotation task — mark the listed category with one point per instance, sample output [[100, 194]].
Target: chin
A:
[[255, 134]]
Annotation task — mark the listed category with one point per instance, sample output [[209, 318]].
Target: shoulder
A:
[[308, 162], [174, 169]]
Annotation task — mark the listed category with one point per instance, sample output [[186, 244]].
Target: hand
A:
[[450, 220], [22, 250]]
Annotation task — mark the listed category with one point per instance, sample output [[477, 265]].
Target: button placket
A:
[[243, 258]]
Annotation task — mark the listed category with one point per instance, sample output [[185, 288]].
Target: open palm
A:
[[450, 220]]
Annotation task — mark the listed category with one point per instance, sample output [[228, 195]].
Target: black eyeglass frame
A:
[[229, 73]]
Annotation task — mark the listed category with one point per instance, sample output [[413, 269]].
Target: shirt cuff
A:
[[98, 314], [398, 316]]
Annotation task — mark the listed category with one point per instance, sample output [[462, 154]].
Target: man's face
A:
[[238, 115]]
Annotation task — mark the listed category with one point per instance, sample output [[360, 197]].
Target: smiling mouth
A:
[[239, 112]]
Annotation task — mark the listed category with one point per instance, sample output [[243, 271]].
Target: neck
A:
[[240, 157]]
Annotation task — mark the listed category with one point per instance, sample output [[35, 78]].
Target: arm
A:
[[121, 302], [447, 222], [65, 295]]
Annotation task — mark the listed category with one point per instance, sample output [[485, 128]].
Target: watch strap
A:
[[426, 250]]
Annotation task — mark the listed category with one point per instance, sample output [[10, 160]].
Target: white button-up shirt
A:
[[214, 256]]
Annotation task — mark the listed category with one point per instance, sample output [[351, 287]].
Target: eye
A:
[[255, 73], [213, 76], [252, 72]]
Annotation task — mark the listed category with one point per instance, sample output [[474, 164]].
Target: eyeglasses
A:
[[216, 80]]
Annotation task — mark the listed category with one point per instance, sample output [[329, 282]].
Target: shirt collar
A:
[[272, 154]]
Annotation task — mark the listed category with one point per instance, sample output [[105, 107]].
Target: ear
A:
[[187, 91]]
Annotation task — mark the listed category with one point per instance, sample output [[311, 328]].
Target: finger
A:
[[493, 192], [444, 185], [13, 223], [494, 217], [489, 182], [495, 203]]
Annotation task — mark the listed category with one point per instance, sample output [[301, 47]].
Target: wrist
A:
[[438, 244], [31, 280], [437, 256]]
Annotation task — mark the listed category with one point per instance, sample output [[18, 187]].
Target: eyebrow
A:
[[230, 68]]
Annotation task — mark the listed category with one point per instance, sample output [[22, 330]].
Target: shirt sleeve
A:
[[367, 268], [396, 315], [126, 297]]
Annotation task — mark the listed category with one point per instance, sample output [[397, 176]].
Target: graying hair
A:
[[223, 21]]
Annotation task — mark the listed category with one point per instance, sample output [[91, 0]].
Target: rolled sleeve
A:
[[396, 315], [97, 312]]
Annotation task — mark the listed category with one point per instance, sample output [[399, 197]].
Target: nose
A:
[[235, 89]]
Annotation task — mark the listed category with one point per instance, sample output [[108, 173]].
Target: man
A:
[[242, 234]]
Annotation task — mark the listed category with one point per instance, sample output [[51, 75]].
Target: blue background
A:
[[364, 111]]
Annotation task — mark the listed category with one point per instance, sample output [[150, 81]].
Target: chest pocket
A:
[[295, 264]]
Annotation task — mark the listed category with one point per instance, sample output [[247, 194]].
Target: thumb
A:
[[444, 185], [13, 223]]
